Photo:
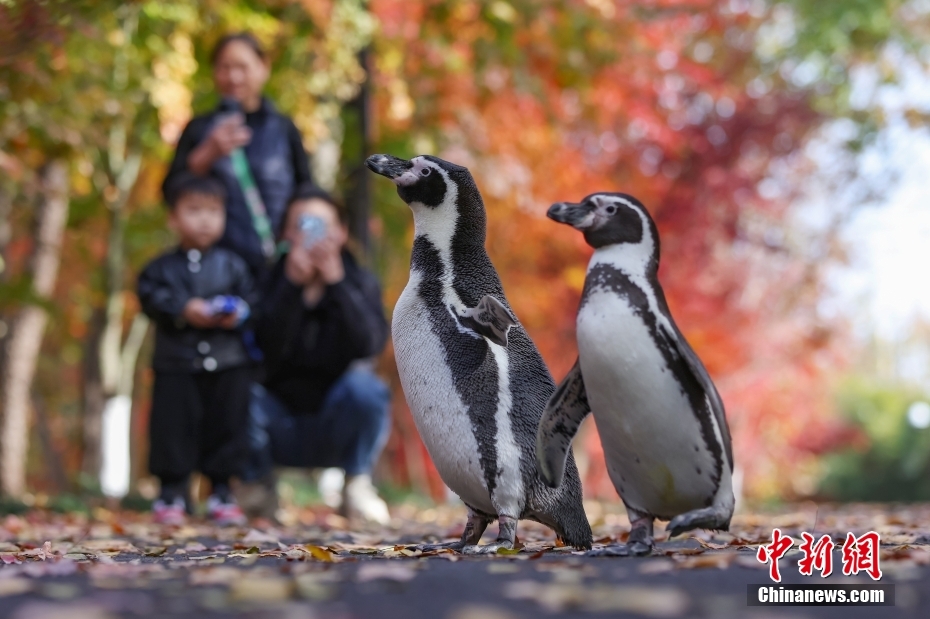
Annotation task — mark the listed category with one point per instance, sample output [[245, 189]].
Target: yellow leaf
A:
[[320, 554]]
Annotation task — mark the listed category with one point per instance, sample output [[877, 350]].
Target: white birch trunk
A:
[[116, 430], [28, 328]]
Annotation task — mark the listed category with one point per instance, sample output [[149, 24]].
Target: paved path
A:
[[120, 565]]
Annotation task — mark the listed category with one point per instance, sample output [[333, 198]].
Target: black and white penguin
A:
[[659, 416], [475, 383]]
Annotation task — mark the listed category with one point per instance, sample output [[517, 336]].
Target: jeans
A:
[[348, 432]]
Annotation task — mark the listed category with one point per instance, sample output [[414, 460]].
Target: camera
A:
[[313, 229], [224, 304]]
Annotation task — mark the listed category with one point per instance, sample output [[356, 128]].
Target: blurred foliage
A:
[[688, 105], [892, 463]]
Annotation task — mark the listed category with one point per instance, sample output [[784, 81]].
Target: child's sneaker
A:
[[169, 513], [224, 513]]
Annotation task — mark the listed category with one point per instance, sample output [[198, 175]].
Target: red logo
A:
[[860, 554], [774, 551], [816, 556]]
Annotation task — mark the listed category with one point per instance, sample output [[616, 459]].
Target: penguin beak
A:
[[388, 165], [578, 216]]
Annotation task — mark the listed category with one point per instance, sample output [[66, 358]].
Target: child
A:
[[199, 296]]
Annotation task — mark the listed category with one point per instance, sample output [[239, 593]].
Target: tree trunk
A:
[[28, 327], [356, 149], [115, 429], [93, 399]]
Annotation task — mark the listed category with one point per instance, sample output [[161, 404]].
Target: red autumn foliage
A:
[[561, 99]]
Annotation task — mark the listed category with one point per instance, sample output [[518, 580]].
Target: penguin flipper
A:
[[489, 319], [713, 397], [564, 413]]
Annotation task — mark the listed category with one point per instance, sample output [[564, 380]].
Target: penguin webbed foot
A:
[[487, 549], [506, 539], [638, 548], [639, 544], [706, 518], [456, 546]]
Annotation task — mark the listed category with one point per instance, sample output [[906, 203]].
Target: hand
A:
[[327, 257], [198, 314], [228, 321], [228, 134], [299, 267]]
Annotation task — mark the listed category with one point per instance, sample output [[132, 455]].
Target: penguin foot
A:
[[457, 546], [706, 518], [506, 538], [487, 549], [639, 548]]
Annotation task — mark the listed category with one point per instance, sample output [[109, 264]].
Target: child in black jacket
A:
[[199, 297]]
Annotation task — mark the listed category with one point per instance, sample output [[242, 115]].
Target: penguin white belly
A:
[[652, 441], [439, 413]]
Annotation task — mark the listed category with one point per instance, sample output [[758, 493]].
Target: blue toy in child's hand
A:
[[224, 304], [313, 229]]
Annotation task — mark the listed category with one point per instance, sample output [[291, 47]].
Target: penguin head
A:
[[608, 219], [442, 195]]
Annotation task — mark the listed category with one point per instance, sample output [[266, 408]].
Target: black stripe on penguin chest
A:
[[606, 277], [471, 363]]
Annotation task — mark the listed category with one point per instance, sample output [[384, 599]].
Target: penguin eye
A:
[[425, 172], [611, 209]]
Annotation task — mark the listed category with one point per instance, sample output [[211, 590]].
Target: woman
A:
[[245, 123]]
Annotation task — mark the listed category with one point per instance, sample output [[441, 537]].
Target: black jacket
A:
[[278, 162], [308, 349], [168, 283]]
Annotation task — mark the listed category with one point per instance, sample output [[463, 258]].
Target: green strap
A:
[[253, 200]]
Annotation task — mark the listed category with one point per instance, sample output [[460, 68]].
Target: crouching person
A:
[[198, 296], [321, 322]]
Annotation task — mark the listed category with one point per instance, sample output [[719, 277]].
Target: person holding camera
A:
[[321, 323], [255, 150]]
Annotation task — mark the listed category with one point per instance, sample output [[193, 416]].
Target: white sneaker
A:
[[360, 498], [330, 485]]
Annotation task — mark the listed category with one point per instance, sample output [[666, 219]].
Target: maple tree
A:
[[687, 105]]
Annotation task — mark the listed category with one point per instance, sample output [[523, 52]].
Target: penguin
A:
[[475, 382], [660, 419]]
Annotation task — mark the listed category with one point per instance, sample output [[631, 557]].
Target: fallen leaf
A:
[[320, 554], [711, 545], [317, 586], [384, 570], [214, 576], [108, 545], [254, 536], [556, 597], [719, 560], [14, 586], [262, 589], [155, 551], [480, 611], [684, 552], [657, 566]]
